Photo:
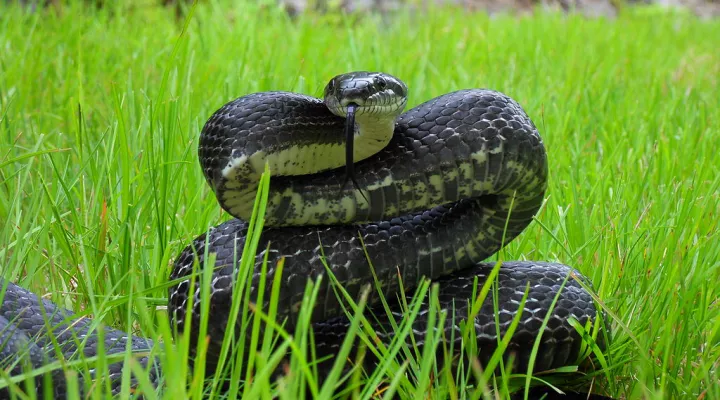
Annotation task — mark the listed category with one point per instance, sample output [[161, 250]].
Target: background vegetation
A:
[[100, 188]]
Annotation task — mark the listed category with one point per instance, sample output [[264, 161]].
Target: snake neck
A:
[[372, 134]]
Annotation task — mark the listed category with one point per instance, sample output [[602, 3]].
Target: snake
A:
[[365, 196]]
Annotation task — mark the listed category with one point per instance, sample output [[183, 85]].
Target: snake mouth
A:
[[365, 107], [379, 104]]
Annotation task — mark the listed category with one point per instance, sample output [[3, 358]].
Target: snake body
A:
[[436, 191]]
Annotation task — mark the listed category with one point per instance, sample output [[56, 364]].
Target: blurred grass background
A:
[[100, 110]]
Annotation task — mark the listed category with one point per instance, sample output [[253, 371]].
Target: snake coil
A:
[[436, 191]]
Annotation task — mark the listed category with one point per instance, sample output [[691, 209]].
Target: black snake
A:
[[435, 191]]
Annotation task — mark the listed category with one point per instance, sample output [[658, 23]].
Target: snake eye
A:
[[381, 82], [331, 86]]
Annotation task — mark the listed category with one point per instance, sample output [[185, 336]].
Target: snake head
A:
[[373, 93]]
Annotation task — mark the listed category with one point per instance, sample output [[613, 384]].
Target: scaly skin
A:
[[440, 179]]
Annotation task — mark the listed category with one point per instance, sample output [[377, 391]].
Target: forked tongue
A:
[[349, 141]]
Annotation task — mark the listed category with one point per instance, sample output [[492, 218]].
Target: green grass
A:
[[100, 187]]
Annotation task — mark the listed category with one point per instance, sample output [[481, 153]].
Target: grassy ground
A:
[[100, 187]]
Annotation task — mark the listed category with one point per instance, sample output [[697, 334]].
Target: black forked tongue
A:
[[349, 153]]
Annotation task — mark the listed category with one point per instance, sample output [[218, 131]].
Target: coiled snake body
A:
[[436, 191]]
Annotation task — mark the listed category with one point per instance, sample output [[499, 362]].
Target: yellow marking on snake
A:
[[479, 156], [385, 182], [231, 169], [436, 181]]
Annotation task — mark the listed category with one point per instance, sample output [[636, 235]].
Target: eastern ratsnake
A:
[[435, 191]]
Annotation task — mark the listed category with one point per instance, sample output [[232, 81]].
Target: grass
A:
[[100, 187]]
